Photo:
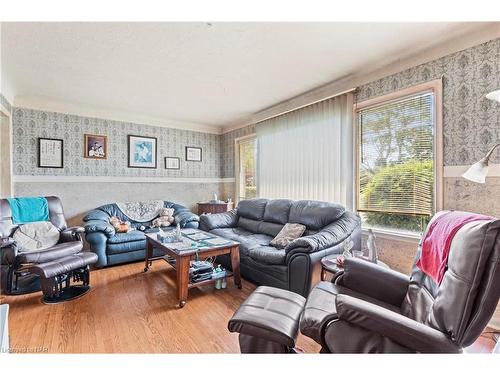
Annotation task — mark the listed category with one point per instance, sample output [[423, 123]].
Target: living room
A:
[[229, 186]]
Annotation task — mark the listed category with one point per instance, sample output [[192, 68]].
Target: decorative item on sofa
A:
[[34, 256], [254, 224], [371, 309], [141, 152], [165, 217], [120, 226], [371, 244], [287, 234], [115, 248]]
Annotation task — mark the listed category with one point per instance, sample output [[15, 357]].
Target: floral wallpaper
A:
[[29, 125], [471, 123]]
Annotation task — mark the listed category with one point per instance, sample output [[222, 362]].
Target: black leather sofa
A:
[[255, 222]]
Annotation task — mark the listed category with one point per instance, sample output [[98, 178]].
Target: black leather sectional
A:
[[255, 222]]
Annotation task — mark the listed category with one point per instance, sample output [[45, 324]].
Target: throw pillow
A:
[[287, 234], [35, 236]]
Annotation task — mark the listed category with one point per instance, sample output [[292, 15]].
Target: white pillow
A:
[[35, 236]]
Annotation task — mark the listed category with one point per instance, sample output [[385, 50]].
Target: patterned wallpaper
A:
[[471, 123], [5, 103], [29, 124]]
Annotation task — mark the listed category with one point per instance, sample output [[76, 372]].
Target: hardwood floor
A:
[[129, 311]]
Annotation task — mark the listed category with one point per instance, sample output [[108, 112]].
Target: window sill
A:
[[394, 235]]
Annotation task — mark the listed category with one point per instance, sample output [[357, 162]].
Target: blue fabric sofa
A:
[[115, 248]]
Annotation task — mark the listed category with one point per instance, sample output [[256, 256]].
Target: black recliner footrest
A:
[[268, 321]]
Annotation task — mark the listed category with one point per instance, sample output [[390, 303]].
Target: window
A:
[[246, 167], [399, 158]]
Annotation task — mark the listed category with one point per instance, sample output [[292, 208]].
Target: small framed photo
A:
[[141, 152], [172, 163], [50, 153], [193, 153], [96, 146]]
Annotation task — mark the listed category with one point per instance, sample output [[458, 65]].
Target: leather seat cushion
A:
[[268, 254], [247, 240], [55, 252], [135, 235], [271, 314], [320, 307]]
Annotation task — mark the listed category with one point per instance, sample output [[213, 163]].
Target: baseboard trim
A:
[[116, 179]]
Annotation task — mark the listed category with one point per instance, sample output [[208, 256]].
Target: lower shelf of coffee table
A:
[[172, 263], [209, 281]]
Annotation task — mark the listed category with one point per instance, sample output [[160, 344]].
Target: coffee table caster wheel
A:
[[146, 269], [239, 286], [182, 304]]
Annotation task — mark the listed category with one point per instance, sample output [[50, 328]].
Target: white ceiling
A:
[[200, 73]]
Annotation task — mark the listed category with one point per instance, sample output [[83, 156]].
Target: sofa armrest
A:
[[99, 226], [223, 220], [96, 215], [397, 327], [72, 234], [329, 236], [375, 281], [185, 217]]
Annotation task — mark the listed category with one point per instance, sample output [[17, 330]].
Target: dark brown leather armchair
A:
[[371, 309], [16, 275]]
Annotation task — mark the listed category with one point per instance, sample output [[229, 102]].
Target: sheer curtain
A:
[[308, 153]]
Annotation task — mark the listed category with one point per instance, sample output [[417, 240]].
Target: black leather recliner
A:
[[371, 309], [29, 271]]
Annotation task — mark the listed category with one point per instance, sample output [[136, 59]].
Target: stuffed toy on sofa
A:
[[120, 226], [165, 218]]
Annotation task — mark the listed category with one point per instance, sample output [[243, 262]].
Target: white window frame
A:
[[436, 87], [237, 171]]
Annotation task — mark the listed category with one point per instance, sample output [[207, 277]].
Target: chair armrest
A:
[[223, 220], [185, 217], [8, 251], [99, 226], [329, 236], [375, 281], [397, 327], [72, 234]]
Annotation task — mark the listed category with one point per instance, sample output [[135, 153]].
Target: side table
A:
[[329, 265], [214, 207]]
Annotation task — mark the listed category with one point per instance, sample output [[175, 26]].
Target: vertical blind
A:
[[307, 153], [396, 156]]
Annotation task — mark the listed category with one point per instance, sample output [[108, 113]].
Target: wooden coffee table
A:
[[180, 260]]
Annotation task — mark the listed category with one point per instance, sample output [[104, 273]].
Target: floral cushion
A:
[[287, 234]]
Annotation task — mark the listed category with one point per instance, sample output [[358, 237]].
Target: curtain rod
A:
[[305, 105]]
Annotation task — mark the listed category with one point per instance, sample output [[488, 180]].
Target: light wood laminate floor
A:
[[129, 311]]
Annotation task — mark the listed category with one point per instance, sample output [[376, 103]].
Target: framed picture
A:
[[141, 152], [193, 153], [50, 153], [172, 163], [96, 146]]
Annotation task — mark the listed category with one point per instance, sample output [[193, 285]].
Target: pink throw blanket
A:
[[437, 241]]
